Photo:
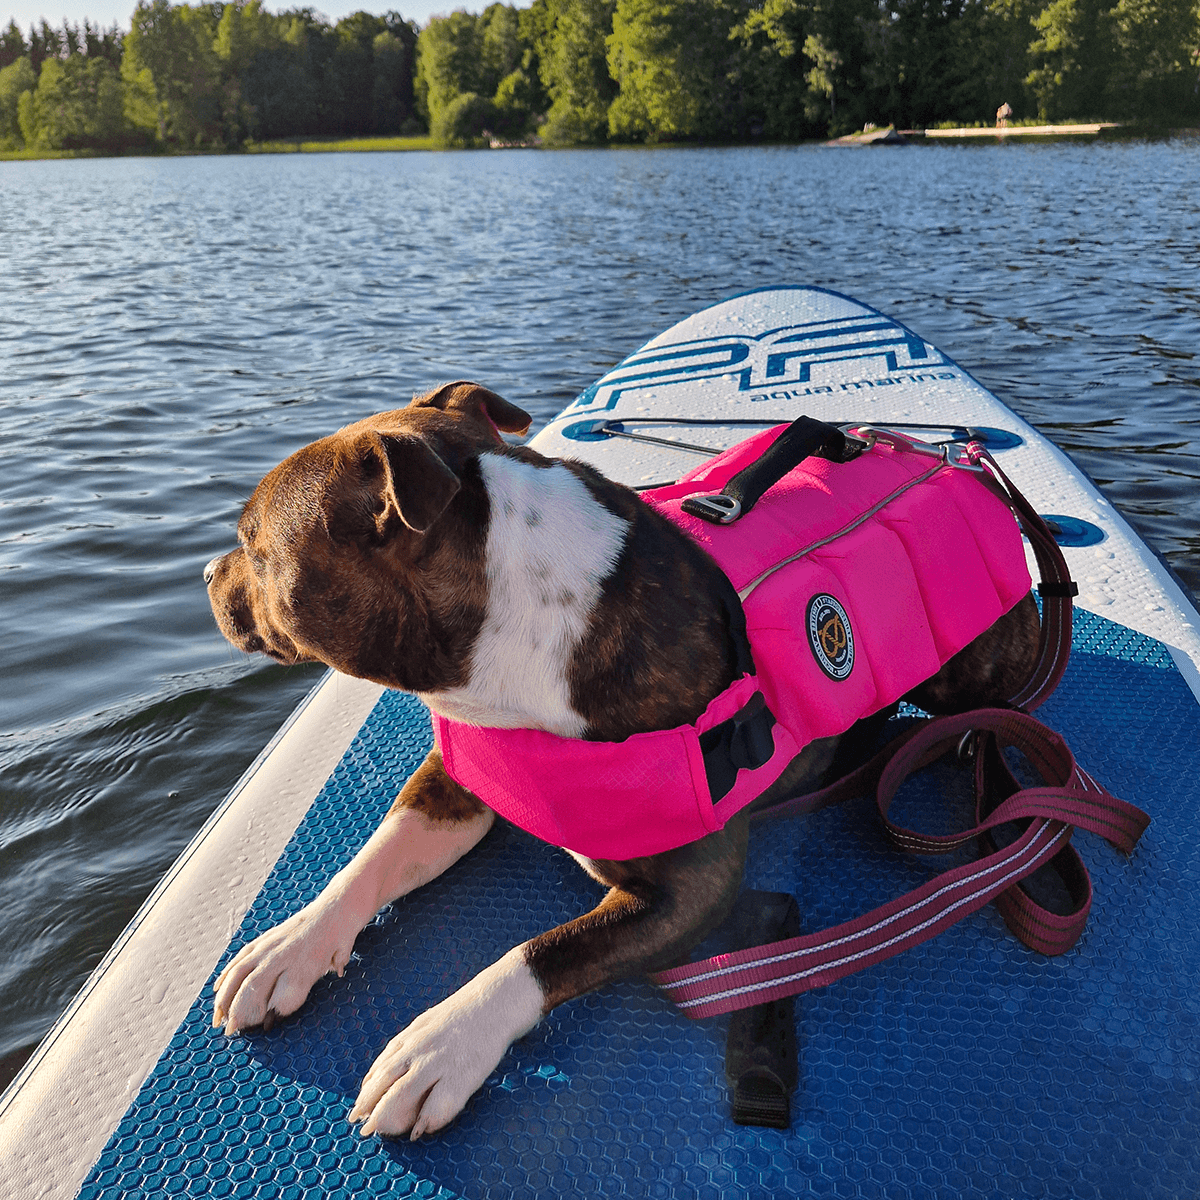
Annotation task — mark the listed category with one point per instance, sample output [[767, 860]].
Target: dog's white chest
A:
[[550, 546]]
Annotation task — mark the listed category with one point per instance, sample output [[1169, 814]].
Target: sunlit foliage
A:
[[215, 76]]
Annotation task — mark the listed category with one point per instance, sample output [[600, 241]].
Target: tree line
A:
[[212, 76], [207, 77]]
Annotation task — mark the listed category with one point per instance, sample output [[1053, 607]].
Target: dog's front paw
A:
[[272, 975], [426, 1074]]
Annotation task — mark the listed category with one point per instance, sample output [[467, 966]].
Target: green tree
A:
[[487, 58], [844, 45], [774, 69], [465, 122], [15, 79], [449, 54], [519, 102], [177, 47], [350, 74], [78, 103], [994, 46], [932, 59], [509, 72], [280, 83], [45, 42], [573, 63], [243, 33], [12, 45], [501, 45], [391, 87], [103, 43], [140, 101], [676, 66], [1074, 56], [1156, 61]]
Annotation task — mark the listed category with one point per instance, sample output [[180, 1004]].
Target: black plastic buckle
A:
[[743, 742], [1063, 590]]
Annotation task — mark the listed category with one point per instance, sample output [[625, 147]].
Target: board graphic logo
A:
[[830, 636], [857, 348]]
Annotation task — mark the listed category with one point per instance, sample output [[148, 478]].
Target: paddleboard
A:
[[967, 1067]]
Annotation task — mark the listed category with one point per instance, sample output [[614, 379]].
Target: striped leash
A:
[[1041, 818]]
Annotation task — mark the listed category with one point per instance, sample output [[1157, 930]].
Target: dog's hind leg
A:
[[990, 670], [656, 911]]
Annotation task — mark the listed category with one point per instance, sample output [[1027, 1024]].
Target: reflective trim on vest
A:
[[859, 580]]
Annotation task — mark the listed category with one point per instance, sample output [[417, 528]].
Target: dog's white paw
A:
[[426, 1074], [272, 976]]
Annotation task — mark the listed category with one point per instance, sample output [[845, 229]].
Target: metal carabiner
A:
[[898, 441]]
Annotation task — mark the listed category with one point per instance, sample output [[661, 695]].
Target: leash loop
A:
[[1056, 587]]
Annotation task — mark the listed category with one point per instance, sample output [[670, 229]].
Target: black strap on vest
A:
[[745, 740], [761, 1058], [803, 438]]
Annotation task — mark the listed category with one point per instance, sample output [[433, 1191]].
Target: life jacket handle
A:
[[1056, 587], [803, 438]]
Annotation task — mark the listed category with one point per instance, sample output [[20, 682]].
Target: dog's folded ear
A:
[[419, 484], [464, 396], [394, 476]]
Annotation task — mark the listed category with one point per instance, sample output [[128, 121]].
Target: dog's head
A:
[[364, 550]]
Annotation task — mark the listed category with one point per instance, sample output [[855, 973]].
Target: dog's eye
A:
[[258, 564]]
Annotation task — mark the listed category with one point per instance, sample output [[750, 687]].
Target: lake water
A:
[[170, 329]]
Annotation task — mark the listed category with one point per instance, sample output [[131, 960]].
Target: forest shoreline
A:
[[1080, 132], [567, 73]]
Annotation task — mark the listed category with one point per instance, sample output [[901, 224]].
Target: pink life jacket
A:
[[858, 581]]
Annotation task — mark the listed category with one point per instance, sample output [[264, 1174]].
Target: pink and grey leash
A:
[[1044, 817], [1068, 797]]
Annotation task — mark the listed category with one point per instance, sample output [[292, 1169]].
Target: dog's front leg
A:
[[431, 825], [656, 911]]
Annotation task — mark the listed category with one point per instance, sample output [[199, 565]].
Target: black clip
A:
[[1055, 590], [751, 743], [744, 741]]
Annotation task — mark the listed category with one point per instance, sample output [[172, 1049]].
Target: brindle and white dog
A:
[[417, 549]]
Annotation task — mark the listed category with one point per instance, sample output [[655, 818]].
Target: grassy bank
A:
[[23, 155], [287, 146], [338, 146]]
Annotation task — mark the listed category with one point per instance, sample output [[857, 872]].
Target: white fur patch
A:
[[550, 546], [430, 1070]]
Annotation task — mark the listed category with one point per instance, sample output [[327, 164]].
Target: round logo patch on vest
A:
[[830, 636]]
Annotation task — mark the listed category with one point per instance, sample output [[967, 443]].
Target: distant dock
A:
[[1017, 131], [889, 135]]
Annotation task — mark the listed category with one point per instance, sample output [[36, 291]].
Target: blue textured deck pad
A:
[[969, 1067]]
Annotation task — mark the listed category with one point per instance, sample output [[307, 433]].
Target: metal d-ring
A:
[[718, 509]]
